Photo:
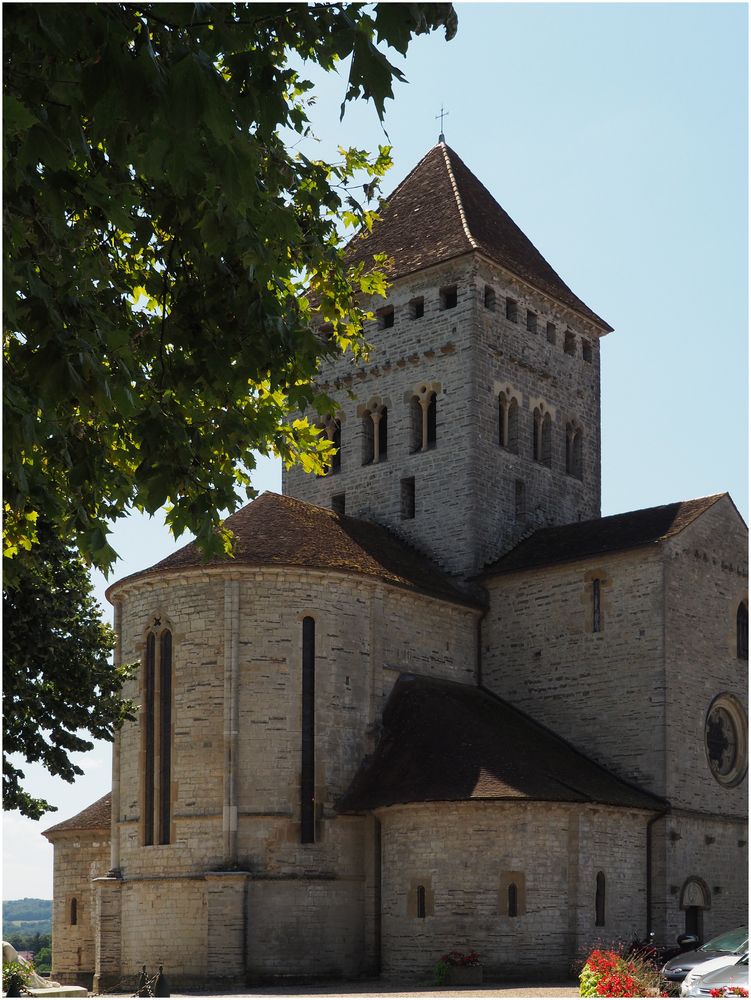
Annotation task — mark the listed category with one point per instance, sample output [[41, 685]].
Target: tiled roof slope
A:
[[603, 534], [277, 530], [97, 816], [440, 211], [449, 742]]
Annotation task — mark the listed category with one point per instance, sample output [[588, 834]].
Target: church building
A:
[[436, 701]]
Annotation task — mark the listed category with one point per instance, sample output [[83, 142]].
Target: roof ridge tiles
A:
[[457, 194]]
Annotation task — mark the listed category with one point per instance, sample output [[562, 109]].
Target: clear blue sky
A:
[[615, 135]]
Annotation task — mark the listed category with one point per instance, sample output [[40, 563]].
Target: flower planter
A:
[[464, 975]]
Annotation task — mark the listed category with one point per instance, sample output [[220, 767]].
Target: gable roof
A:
[[97, 816], [441, 211], [443, 741], [616, 533], [277, 530]]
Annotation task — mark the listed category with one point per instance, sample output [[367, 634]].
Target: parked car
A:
[[728, 978], [733, 942], [703, 969]]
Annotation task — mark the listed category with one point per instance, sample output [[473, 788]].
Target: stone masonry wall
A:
[[603, 691], [165, 921], [434, 350], [611, 841], [365, 634], [464, 853], [465, 485], [508, 357], [311, 928], [80, 856], [711, 849], [706, 577]]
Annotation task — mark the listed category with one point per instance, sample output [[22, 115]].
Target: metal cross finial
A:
[[443, 114]]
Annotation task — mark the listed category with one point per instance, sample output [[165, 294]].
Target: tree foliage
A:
[[58, 682], [163, 246]]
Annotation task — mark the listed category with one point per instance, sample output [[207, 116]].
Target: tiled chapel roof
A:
[[448, 742], [440, 211], [94, 817], [584, 539], [277, 530]]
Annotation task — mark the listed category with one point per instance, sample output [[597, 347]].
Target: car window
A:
[[736, 940]]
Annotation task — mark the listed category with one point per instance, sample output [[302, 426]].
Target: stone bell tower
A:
[[477, 417]]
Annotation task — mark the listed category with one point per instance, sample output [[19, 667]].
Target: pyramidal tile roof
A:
[[631, 530], [277, 530], [97, 816], [441, 211], [446, 742]]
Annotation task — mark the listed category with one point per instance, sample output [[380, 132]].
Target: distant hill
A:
[[27, 915]]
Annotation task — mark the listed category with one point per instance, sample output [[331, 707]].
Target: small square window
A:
[[385, 318], [338, 503], [531, 321], [569, 343], [512, 310], [417, 308], [408, 498], [489, 298], [587, 351], [448, 297], [550, 332]]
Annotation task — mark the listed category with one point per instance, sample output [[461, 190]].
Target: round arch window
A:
[[725, 740]]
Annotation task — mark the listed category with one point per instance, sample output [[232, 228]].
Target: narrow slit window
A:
[[165, 735], [550, 333], [587, 351], [569, 343], [417, 308], [408, 498], [383, 435], [520, 499], [307, 761], [513, 900], [149, 685], [741, 624], [448, 297], [531, 321], [157, 738], [546, 447], [596, 605], [421, 911], [73, 911], [600, 900], [537, 435], [431, 418], [385, 318], [513, 426], [489, 298], [512, 310], [415, 420]]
